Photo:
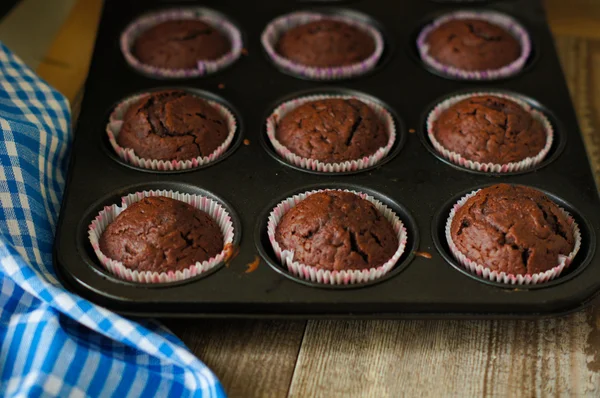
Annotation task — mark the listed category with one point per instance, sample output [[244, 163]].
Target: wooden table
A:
[[554, 357]]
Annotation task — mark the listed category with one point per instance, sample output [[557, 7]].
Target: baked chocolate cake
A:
[[172, 125], [337, 230], [473, 45], [325, 43], [332, 130], [161, 234], [180, 44], [490, 129], [512, 229]]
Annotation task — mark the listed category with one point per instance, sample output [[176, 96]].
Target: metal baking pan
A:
[[251, 179]]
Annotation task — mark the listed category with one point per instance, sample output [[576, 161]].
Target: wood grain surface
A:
[[554, 357]]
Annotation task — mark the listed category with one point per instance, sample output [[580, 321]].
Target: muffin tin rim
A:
[[412, 231], [580, 262]]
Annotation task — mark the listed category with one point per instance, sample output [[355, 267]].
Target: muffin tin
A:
[[417, 184]]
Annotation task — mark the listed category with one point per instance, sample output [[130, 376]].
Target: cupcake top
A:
[[172, 125], [325, 43], [473, 45], [161, 234], [512, 229], [180, 44], [332, 130], [337, 230], [490, 129]]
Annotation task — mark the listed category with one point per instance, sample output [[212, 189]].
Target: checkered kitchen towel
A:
[[54, 343]]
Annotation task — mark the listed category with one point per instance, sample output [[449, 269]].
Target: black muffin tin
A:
[[251, 180]]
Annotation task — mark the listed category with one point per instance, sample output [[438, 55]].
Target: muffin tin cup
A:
[[345, 277], [278, 26], [502, 277], [496, 18], [317, 165], [117, 268], [458, 159], [204, 67], [128, 155]]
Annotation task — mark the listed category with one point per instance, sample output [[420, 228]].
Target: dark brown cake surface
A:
[[490, 129], [180, 44], [473, 44], [332, 130], [512, 229], [161, 234], [172, 125], [325, 43], [336, 230]]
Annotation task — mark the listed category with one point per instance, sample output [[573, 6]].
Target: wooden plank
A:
[[579, 18], [555, 357], [251, 358], [66, 64]]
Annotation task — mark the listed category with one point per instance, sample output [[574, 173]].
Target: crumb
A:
[[253, 265], [411, 131], [230, 252], [221, 86], [246, 141], [424, 255], [244, 51]]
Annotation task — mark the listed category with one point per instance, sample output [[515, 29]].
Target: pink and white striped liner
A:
[[496, 18], [204, 67], [345, 277], [110, 213], [280, 25], [317, 165], [115, 123], [480, 270], [458, 159]]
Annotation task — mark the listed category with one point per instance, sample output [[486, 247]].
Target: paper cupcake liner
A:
[[458, 159], [117, 268], [128, 155], [204, 67], [345, 277], [278, 26], [563, 261], [496, 18], [317, 165]]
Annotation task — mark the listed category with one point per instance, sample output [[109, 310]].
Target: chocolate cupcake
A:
[[162, 236], [332, 130], [170, 130], [336, 237], [491, 132], [322, 47], [474, 45], [326, 43], [514, 233], [180, 44], [331, 133]]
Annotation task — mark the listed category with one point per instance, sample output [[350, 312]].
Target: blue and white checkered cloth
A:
[[54, 343]]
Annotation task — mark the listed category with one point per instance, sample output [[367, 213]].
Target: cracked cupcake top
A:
[[332, 130], [490, 129], [172, 125], [326, 43], [473, 45], [161, 234], [337, 230], [512, 229], [180, 44]]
